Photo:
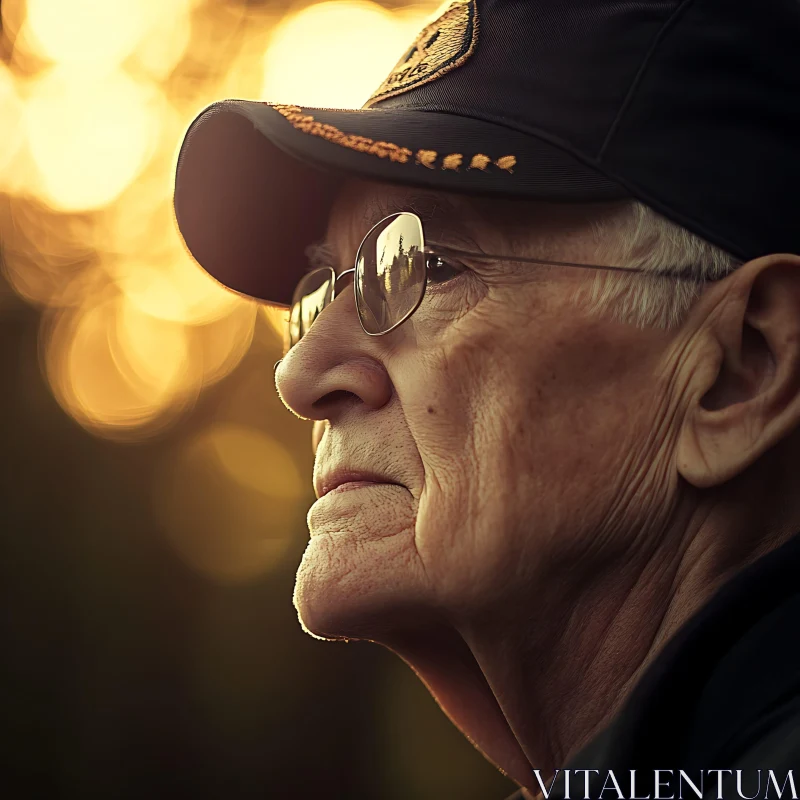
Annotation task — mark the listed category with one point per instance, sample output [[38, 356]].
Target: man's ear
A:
[[745, 389]]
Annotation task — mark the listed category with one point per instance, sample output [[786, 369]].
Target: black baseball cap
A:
[[690, 106]]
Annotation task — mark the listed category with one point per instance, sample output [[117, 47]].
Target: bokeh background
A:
[[153, 490]]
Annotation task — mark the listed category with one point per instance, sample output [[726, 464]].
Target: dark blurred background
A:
[[153, 488]]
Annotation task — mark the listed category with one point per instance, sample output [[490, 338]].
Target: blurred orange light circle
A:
[[175, 289], [105, 382], [47, 257], [12, 131], [95, 32], [228, 503], [335, 54], [225, 341], [151, 351], [166, 38], [90, 135], [256, 461]]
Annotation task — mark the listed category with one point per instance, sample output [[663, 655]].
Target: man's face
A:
[[519, 432]]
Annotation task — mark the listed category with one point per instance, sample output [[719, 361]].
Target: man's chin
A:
[[360, 564], [344, 590]]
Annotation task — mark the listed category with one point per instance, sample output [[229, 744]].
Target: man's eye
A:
[[441, 270]]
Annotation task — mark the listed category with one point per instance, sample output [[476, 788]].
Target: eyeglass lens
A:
[[312, 294], [389, 280], [390, 273]]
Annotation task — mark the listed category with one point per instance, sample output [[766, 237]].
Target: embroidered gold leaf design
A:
[[426, 158], [480, 161], [453, 161], [506, 163], [307, 124], [394, 152]]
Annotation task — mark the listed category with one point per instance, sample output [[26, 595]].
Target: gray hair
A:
[[637, 236]]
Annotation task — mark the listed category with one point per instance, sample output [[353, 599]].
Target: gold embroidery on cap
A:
[[506, 163], [363, 144], [394, 152], [440, 47], [426, 158], [480, 161]]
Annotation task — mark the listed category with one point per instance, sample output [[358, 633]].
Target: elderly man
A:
[[554, 374]]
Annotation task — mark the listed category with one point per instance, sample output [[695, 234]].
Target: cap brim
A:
[[255, 182]]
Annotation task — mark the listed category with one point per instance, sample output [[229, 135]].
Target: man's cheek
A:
[[440, 528], [457, 531]]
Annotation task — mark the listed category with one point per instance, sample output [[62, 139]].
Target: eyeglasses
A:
[[390, 276]]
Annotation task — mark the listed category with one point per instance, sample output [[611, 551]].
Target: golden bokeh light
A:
[[140, 222], [12, 132], [256, 461], [176, 290], [222, 343], [227, 504], [95, 97], [335, 54], [48, 256], [86, 32], [154, 350], [90, 137], [165, 38], [98, 378]]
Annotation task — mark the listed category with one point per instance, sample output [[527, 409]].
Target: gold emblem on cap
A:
[[443, 45]]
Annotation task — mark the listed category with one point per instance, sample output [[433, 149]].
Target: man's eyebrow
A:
[[427, 206]]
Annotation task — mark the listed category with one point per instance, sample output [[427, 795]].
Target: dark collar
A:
[[734, 662], [727, 664]]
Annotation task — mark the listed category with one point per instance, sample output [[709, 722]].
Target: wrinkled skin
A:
[[565, 487]]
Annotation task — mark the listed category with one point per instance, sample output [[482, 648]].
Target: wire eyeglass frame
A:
[[440, 251]]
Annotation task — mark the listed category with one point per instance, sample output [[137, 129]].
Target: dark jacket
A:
[[723, 694]]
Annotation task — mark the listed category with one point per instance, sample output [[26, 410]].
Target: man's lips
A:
[[344, 480], [344, 487]]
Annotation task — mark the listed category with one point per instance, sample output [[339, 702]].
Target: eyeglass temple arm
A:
[[546, 262]]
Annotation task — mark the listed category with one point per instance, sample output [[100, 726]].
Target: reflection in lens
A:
[[390, 272], [313, 293]]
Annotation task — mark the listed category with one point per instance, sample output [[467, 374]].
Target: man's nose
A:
[[334, 365], [317, 432]]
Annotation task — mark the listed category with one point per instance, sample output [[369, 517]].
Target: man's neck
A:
[[559, 686], [532, 693]]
